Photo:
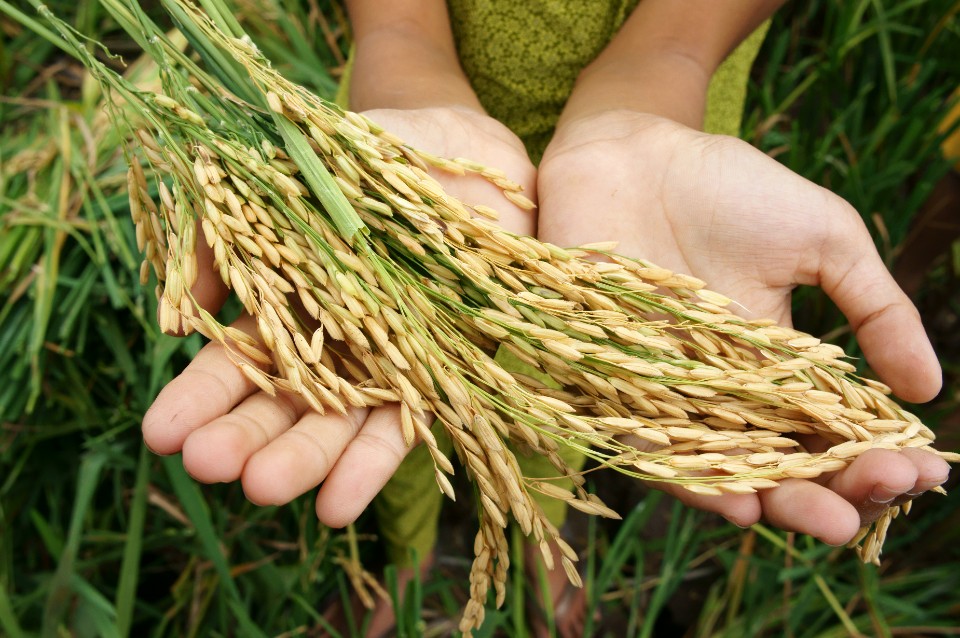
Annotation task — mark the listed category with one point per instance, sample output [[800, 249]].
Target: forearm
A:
[[405, 57], [662, 59]]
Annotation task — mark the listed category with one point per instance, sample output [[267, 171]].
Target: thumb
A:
[[208, 291], [886, 323]]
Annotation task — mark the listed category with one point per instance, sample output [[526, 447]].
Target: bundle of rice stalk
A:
[[369, 284]]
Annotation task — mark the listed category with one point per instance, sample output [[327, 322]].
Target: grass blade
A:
[[61, 585], [8, 619], [196, 509], [133, 547]]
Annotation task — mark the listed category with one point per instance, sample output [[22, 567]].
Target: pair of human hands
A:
[[706, 205]]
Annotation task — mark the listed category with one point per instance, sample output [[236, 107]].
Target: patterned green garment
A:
[[522, 58]]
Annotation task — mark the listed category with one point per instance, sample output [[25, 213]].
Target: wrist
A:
[[395, 69], [665, 83]]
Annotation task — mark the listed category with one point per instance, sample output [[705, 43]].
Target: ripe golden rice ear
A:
[[371, 284]]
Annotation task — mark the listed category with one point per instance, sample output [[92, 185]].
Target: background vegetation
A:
[[98, 537]]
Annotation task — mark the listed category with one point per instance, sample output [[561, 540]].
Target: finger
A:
[[932, 470], [876, 475], [209, 291], [209, 387], [218, 451], [363, 469], [878, 479], [742, 510], [873, 481], [806, 507], [887, 325], [301, 457]]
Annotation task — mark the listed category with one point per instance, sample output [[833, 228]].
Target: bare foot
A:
[[562, 610]]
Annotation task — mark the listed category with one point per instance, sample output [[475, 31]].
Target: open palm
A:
[[717, 208], [276, 446]]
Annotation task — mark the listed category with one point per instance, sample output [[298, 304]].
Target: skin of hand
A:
[[227, 431], [717, 208], [405, 59], [277, 447], [407, 78], [628, 163]]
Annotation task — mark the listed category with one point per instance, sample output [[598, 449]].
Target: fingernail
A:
[[734, 522], [882, 494]]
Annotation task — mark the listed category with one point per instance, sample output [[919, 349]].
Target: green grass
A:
[[99, 537], [850, 98]]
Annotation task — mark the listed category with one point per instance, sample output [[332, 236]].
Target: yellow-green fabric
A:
[[522, 59], [727, 93], [408, 507], [951, 145], [526, 91]]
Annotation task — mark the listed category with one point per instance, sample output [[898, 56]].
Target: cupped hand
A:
[[717, 208], [276, 446]]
